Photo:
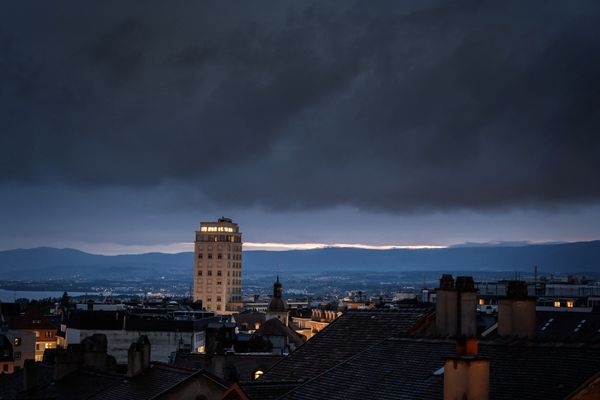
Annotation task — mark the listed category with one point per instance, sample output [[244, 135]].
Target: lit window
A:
[[570, 304], [557, 304], [17, 341], [481, 302], [258, 374]]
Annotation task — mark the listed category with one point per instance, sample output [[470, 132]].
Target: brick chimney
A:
[[466, 374], [138, 357], [456, 306], [516, 311]]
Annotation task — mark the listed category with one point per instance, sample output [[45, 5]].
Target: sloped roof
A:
[[157, 379], [403, 368], [348, 335], [256, 390], [274, 327], [245, 364], [249, 318], [568, 326]]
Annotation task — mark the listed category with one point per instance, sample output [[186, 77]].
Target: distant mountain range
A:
[[46, 262]]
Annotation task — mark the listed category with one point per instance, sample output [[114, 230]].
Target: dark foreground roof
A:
[[245, 364], [348, 335], [568, 326], [88, 383], [403, 368], [153, 382]]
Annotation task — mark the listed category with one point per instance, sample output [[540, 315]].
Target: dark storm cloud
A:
[[385, 107]]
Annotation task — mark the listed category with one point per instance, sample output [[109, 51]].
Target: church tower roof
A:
[[277, 303]]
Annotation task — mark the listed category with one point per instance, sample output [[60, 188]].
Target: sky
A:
[[424, 123]]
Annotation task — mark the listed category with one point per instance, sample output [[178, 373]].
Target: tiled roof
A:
[[267, 390], [87, 383], [101, 320], [11, 385], [245, 364], [249, 318], [348, 335], [274, 327], [568, 326], [403, 368], [159, 378]]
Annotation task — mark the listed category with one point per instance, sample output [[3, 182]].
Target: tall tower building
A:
[[218, 266]]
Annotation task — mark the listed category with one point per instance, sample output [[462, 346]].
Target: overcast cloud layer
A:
[[468, 104], [153, 109]]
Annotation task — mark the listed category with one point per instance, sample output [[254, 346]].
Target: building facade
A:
[[218, 266]]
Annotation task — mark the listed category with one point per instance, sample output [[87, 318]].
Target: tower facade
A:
[[218, 266]]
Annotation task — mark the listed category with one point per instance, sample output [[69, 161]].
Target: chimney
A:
[[516, 312], [138, 357], [30, 378], [466, 374], [456, 306], [467, 306], [445, 306]]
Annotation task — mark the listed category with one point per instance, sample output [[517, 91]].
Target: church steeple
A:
[[277, 307], [277, 288]]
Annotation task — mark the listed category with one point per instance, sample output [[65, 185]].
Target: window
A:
[[481, 302], [200, 256], [220, 256], [209, 299], [219, 273], [209, 273], [557, 304], [17, 355], [199, 273], [210, 256], [257, 374], [570, 304], [37, 334], [17, 341], [218, 307], [49, 334], [218, 298]]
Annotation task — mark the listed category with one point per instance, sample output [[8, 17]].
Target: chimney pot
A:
[[446, 282], [516, 289], [465, 284]]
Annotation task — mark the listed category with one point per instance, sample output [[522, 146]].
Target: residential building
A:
[[23, 344], [44, 330], [218, 266], [121, 329]]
